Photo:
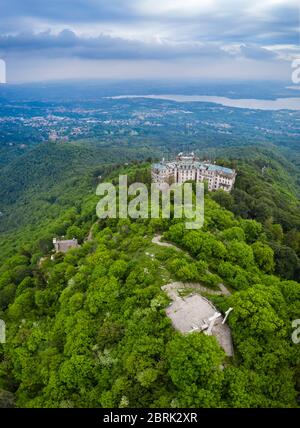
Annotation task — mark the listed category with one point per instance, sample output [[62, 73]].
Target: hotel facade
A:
[[189, 168]]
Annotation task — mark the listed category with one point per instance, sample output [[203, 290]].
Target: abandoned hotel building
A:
[[188, 167]]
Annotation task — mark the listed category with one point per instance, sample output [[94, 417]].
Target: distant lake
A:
[[278, 104]]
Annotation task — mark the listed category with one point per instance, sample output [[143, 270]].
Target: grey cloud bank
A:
[[209, 32], [67, 43]]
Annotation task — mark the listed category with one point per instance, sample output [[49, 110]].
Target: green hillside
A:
[[89, 328], [49, 180], [45, 187]]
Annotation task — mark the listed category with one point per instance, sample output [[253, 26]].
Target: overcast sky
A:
[[169, 39]]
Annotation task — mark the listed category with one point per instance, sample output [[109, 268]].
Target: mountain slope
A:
[[89, 328], [48, 180]]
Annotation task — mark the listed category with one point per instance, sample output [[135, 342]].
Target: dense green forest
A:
[[45, 187], [89, 328], [45, 182], [267, 190], [132, 312]]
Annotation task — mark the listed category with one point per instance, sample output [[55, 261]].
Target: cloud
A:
[[256, 52], [64, 10], [149, 30], [265, 21], [67, 43]]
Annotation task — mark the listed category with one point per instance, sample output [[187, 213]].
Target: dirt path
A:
[[175, 286], [90, 234], [157, 240], [224, 290]]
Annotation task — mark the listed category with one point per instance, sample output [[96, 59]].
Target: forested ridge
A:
[[43, 184], [89, 329], [38, 189]]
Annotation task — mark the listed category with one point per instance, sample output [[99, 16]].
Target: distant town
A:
[[26, 123]]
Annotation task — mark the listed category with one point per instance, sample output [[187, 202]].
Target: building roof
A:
[[193, 164], [220, 168], [190, 161], [158, 166], [163, 165]]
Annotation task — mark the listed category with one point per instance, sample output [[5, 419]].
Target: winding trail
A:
[[157, 240], [174, 287], [190, 313]]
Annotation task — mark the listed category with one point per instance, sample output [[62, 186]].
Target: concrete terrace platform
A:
[[190, 313]]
